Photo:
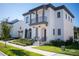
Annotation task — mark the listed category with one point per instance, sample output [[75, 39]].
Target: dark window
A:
[[69, 18], [59, 31], [58, 14], [26, 33], [66, 16], [53, 31], [26, 19]]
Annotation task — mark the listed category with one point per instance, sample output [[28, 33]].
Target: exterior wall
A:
[[16, 27], [26, 25], [40, 30], [68, 26], [33, 32], [53, 23], [62, 23], [40, 15], [40, 12], [59, 24]]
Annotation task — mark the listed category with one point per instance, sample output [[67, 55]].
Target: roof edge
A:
[[66, 9], [53, 7]]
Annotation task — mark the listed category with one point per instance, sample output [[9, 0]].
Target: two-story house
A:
[[47, 22]]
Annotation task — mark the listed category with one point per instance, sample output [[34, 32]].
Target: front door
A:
[[30, 33], [44, 34], [25, 33]]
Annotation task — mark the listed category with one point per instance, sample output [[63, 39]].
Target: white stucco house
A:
[[45, 22]]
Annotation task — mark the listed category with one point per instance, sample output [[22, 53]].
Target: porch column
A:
[[36, 33], [23, 34], [30, 19], [43, 13], [36, 16]]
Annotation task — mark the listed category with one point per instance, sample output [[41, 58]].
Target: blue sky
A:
[[15, 11]]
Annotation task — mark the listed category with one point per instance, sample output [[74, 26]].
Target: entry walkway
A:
[[29, 48]]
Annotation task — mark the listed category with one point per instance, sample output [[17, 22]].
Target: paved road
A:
[[2, 54]]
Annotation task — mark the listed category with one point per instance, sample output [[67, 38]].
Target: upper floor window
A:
[[66, 16], [27, 19], [69, 18], [59, 31], [53, 31], [58, 15]]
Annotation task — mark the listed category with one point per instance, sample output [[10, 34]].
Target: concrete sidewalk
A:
[[2, 54], [29, 48]]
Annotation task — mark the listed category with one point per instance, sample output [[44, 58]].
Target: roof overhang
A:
[[53, 7]]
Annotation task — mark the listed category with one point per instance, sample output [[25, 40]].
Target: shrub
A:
[[57, 42], [0, 38], [23, 41], [48, 44], [75, 45], [69, 42], [29, 42]]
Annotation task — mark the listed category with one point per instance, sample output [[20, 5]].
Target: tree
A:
[[5, 31]]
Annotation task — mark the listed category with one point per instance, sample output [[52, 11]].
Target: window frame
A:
[[58, 14], [69, 18], [27, 19], [59, 31], [66, 16], [53, 31]]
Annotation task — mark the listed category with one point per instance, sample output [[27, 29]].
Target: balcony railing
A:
[[39, 20]]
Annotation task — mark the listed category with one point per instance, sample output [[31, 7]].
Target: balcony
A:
[[40, 20]]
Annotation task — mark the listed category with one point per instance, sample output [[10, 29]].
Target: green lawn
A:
[[73, 52], [13, 51]]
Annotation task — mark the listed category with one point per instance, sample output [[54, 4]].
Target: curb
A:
[[3, 53]]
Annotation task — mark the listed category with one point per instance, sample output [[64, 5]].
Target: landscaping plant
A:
[[5, 31]]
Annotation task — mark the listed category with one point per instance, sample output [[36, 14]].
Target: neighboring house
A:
[[47, 22], [76, 33], [16, 28]]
